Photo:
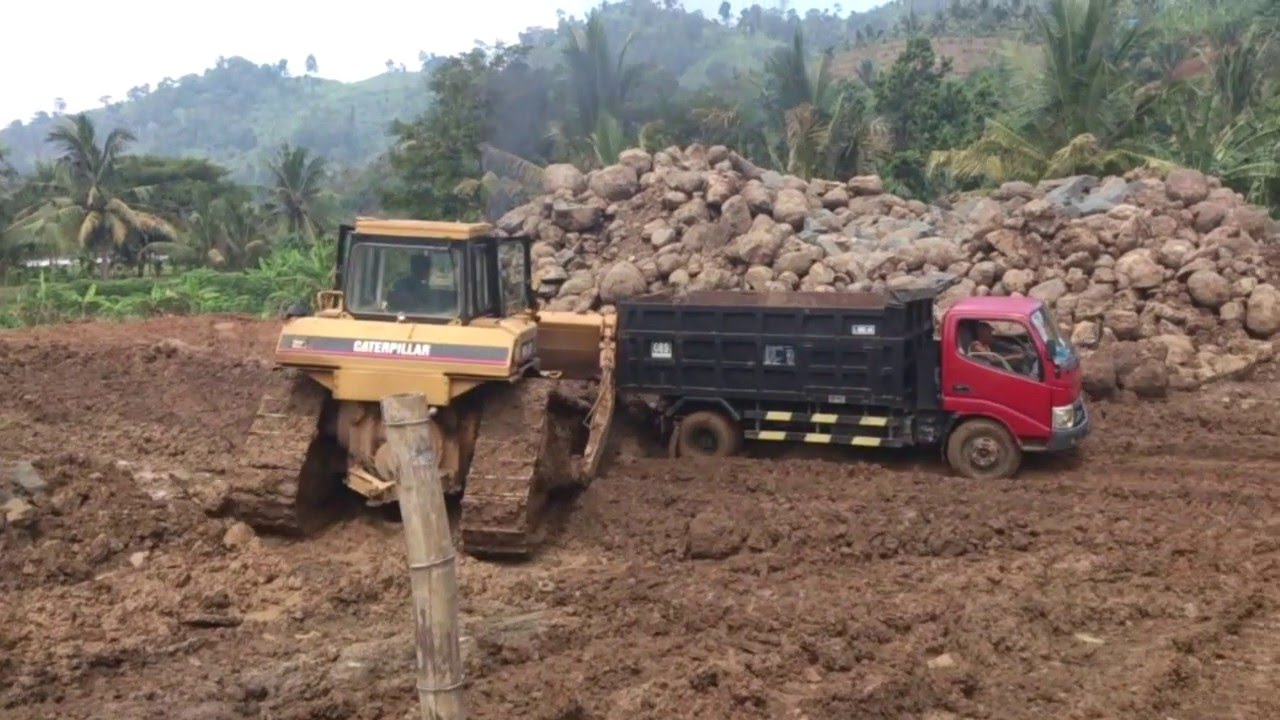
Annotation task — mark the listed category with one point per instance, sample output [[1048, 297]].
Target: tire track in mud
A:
[[1247, 670], [1229, 671]]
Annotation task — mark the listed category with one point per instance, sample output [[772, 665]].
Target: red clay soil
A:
[[1141, 580]]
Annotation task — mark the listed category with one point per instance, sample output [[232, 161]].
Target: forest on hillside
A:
[[237, 112], [1067, 87]]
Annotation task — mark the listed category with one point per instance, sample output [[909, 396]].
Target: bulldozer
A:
[[445, 309]]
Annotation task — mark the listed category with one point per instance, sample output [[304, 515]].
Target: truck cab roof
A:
[[997, 305]]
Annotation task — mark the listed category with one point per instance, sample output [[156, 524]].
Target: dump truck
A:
[[991, 380], [521, 399]]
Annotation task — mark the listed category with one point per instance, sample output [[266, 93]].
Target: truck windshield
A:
[[1060, 350], [413, 280]]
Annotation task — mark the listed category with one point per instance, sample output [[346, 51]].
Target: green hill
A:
[[237, 113]]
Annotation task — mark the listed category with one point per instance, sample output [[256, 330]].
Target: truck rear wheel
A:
[[707, 433], [983, 450]]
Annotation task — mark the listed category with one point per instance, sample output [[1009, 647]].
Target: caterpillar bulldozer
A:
[[447, 310]]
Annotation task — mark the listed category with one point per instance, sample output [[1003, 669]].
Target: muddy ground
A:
[[1140, 581]]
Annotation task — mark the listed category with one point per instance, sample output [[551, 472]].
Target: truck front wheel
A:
[[983, 450], [707, 433]]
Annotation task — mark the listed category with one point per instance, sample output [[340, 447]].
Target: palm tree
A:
[[1083, 86], [1082, 111], [1214, 112], [297, 191], [230, 233], [599, 83], [83, 198], [818, 125]]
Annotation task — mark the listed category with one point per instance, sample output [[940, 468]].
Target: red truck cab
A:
[[1005, 359]]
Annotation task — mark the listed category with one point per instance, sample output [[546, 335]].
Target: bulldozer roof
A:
[[422, 228]]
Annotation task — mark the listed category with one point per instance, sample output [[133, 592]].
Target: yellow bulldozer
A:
[[447, 310]]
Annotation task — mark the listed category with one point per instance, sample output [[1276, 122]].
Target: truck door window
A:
[[999, 344]]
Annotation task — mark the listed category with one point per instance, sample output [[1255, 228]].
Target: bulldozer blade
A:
[[600, 419], [520, 452]]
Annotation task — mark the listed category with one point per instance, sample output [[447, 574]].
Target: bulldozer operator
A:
[[413, 293]]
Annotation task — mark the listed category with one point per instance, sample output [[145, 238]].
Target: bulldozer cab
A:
[[431, 272]]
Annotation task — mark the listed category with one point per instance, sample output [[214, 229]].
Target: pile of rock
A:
[[1164, 282]]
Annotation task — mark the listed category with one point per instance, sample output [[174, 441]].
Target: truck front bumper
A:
[[1071, 437]]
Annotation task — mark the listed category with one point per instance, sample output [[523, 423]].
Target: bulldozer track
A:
[[520, 451], [284, 475]]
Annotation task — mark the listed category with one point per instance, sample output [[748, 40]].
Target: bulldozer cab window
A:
[[499, 283], [513, 276], [405, 279]]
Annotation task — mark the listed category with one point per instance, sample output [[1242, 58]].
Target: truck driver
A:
[[985, 344]]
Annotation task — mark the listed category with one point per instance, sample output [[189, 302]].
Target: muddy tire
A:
[[983, 450], [707, 433]]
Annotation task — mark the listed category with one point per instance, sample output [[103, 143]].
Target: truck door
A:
[[995, 367]]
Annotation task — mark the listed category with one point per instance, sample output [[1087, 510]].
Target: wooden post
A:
[[432, 567]]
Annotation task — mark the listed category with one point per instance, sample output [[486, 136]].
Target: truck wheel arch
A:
[[687, 405], [1000, 457]]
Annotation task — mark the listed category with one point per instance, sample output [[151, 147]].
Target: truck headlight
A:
[[1064, 418]]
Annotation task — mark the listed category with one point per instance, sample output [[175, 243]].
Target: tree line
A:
[[1091, 86], [114, 212]]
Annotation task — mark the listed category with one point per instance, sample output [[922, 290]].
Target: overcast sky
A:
[[111, 48]]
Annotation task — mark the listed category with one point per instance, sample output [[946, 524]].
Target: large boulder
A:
[[623, 280], [1209, 289], [1262, 313], [1187, 186], [568, 178], [614, 183]]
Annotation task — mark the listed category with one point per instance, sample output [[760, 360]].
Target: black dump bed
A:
[[811, 347]]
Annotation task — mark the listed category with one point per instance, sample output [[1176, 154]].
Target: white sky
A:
[[134, 42]]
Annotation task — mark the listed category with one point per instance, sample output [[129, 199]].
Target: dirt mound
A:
[[179, 397], [92, 517]]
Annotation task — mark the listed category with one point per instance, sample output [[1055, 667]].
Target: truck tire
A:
[[982, 449], [707, 433]]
